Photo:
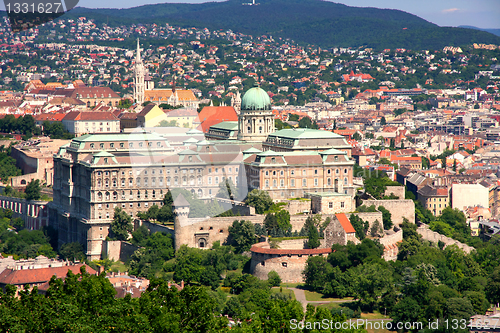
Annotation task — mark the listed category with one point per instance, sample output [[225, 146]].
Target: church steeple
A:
[[139, 76]]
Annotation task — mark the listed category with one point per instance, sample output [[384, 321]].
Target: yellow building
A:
[[173, 97], [434, 198], [151, 116]]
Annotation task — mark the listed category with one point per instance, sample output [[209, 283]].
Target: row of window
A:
[[145, 182], [304, 182], [114, 195], [304, 172], [122, 144], [160, 171]]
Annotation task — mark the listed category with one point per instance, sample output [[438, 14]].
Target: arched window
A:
[[138, 194], [138, 182], [176, 181], [345, 180], [200, 193], [191, 181], [107, 196], [202, 242], [106, 182], [168, 181], [114, 182], [154, 194], [184, 181], [99, 183], [99, 196], [115, 195], [329, 181]]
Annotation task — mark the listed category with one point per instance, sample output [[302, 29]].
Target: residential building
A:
[[80, 123]]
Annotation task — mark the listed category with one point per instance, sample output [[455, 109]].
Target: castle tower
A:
[[181, 210], [255, 120], [140, 73]]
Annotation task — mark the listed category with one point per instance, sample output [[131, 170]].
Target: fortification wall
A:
[[398, 191], [402, 208], [370, 217], [392, 239], [118, 250], [435, 237], [288, 264], [298, 206]]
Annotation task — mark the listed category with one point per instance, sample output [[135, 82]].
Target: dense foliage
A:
[[425, 283], [314, 22]]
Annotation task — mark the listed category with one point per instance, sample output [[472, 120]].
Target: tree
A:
[[376, 229], [493, 286], [33, 191], [356, 136], [242, 235], [383, 121], [359, 225], [386, 217], [259, 199], [274, 279], [121, 225], [227, 190], [72, 251], [313, 239]]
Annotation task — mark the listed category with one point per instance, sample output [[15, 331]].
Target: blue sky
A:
[[479, 13]]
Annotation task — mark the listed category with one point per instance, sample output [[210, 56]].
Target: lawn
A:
[[118, 266], [285, 291], [314, 296]]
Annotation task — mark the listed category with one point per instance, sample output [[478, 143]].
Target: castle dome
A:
[[256, 98]]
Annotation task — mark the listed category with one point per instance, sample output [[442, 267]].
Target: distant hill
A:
[[491, 31], [322, 23]]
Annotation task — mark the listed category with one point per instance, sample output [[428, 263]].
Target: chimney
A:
[[182, 284], [101, 269], [169, 285]]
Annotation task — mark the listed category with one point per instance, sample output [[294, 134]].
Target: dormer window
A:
[[106, 160], [101, 145], [273, 160], [92, 145]]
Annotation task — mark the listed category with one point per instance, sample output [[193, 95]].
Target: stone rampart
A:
[[435, 237], [298, 206], [369, 217], [289, 264], [398, 191], [118, 250], [402, 208]]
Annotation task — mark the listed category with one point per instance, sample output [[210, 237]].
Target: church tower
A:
[[236, 102], [139, 72], [255, 120]]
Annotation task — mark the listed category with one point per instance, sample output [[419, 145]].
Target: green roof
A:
[[305, 133], [103, 153], [332, 151], [252, 150], [187, 152], [226, 125], [256, 98], [193, 131], [118, 137], [190, 140]]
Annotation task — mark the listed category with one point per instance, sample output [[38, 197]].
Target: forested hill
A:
[[322, 23]]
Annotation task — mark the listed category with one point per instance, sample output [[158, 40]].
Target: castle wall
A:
[[118, 250], [435, 237], [298, 206], [369, 217], [398, 191], [402, 208], [289, 264]]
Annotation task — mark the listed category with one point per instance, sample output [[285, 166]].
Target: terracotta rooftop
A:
[[30, 276], [344, 222]]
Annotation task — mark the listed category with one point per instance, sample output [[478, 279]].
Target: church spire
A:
[[139, 76]]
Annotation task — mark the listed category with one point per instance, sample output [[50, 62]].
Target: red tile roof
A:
[[344, 222], [213, 115], [40, 275], [90, 116]]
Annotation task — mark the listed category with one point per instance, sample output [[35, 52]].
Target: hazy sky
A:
[[479, 13]]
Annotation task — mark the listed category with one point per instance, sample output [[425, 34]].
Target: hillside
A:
[[322, 23], [491, 31]]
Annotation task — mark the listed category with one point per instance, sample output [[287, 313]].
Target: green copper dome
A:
[[256, 98]]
